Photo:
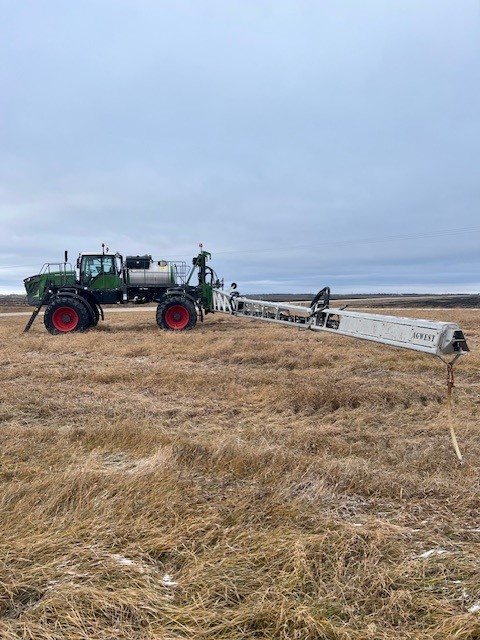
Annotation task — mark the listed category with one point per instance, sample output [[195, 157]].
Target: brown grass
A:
[[238, 481]]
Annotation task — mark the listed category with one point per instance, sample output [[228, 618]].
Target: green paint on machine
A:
[[37, 285]]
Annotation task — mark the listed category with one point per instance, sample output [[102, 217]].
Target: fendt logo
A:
[[424, 337]]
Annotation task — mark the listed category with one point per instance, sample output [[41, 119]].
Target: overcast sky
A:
[[305, 143]]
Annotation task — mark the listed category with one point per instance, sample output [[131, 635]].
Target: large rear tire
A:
[[176, 314], [65, 314]]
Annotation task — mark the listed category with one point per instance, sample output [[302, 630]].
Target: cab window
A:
[[92, 266]]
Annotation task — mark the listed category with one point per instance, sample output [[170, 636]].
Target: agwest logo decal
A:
[[425, 337]]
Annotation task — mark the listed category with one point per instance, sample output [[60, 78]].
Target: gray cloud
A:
[[326, 141]]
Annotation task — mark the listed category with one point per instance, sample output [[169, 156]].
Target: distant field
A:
[[414, 301], [466, 301], [12, 300], [241, 481]]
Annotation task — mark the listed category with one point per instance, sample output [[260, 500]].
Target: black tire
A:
[[66, 314], [94, 311], [96, 316], [176, 313]]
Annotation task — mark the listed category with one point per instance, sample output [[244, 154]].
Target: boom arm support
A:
[[444, 339]]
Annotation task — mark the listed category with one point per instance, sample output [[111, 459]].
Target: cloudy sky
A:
[[304, 142]]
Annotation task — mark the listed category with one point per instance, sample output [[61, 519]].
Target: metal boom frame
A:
[[443, 339]]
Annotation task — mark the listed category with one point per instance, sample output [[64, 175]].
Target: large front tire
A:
[[65, 314], [96, 316], [176, 314]]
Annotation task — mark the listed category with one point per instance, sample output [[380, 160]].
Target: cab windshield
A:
[[92, 266]]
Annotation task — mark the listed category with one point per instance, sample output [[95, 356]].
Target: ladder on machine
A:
[[443, 339]]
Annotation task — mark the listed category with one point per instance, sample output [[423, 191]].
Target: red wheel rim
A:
[[177, 316], [65, 319]]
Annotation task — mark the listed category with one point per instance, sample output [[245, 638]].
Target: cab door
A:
[[100, 273]]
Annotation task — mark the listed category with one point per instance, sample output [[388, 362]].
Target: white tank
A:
[[143, 271]]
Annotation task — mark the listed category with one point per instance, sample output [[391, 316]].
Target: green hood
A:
[[36, 286]]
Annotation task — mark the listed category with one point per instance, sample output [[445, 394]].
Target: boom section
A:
[[427, 336]]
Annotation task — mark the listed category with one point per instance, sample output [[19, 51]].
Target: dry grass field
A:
[[241, 481]]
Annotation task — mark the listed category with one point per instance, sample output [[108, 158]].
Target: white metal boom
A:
[[437, 338]]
